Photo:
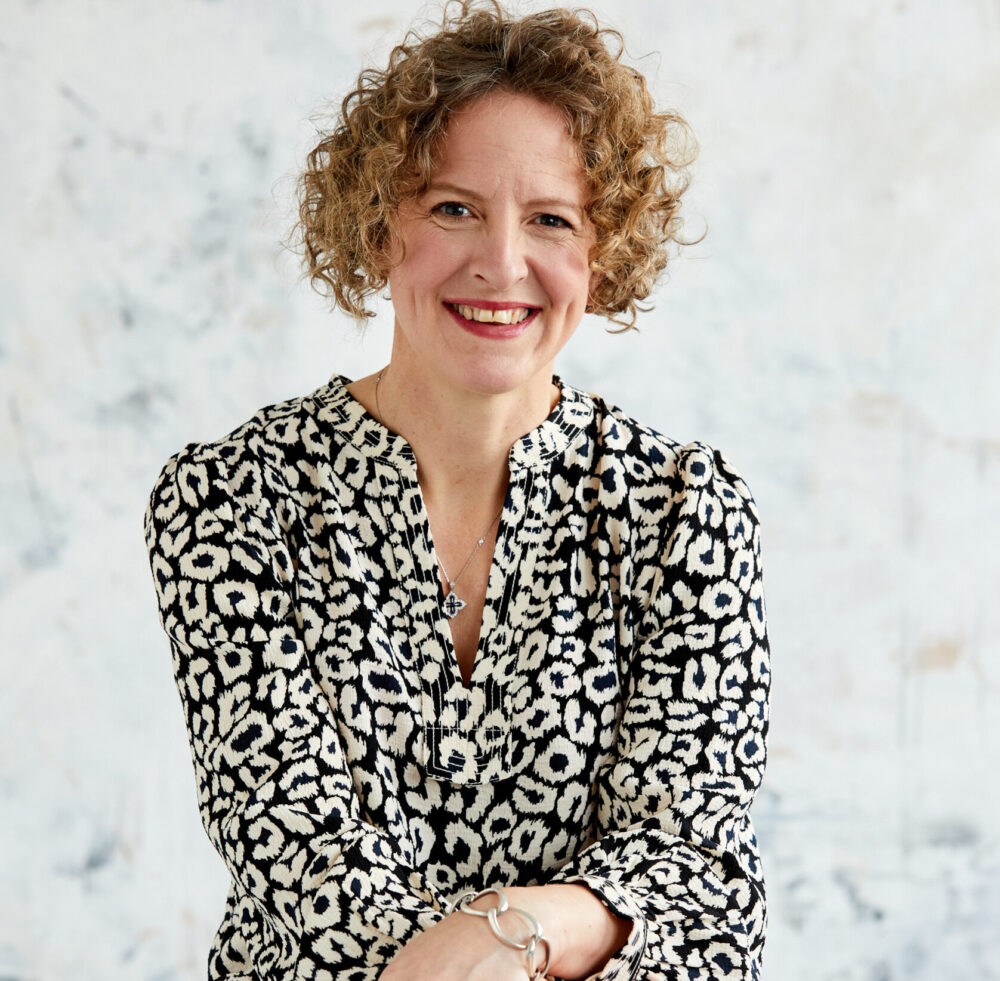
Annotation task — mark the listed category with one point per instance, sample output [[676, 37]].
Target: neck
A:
[[460, 437]]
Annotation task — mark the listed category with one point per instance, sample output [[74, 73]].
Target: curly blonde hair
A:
[[390, 130]]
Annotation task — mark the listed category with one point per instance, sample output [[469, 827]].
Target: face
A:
[[495, 276]]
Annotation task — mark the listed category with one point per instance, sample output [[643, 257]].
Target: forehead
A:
[[514, 142]]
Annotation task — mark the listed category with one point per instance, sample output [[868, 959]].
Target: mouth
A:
[[494, 314], [491, 320]]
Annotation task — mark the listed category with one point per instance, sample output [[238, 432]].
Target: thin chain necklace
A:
[[452, 604]]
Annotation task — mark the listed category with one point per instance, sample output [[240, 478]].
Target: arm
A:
[[582, 934], [675, 850], [275, 793]]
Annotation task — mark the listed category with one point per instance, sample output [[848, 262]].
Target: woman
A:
[[457, 637]]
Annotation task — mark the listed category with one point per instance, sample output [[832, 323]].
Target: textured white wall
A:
[[836, 334]]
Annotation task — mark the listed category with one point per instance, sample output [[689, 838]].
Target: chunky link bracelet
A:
[[462, 904]]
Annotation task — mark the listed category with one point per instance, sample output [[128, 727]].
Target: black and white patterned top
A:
[[613, 733]]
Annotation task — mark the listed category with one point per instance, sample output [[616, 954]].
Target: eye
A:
[[450, 209], [553, 221]]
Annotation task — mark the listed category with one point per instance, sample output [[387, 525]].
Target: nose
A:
[[501, 260]]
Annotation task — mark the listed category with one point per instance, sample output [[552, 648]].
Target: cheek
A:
[[431, 263], [420, 273], [570, 279]]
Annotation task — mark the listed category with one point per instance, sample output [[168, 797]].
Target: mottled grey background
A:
[[835, 334]]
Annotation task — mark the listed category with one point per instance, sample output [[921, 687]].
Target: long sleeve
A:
[[675, 850], [333, 896]]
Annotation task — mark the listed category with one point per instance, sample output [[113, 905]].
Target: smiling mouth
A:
[[515, 315]]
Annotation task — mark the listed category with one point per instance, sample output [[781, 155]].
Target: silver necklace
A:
[[452, 604]]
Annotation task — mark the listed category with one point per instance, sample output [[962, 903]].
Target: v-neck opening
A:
[[444, 629], [532, 449]]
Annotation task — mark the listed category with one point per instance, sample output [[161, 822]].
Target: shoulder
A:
[[240, 468], [660, 472]]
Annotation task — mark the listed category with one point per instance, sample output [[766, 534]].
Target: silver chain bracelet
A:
[[492, 915]]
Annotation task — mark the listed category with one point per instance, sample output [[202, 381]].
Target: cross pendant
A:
[[452, 605]]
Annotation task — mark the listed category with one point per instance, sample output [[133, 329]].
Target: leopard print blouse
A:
[[613, 733]]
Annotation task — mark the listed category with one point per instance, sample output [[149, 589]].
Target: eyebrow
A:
[[466, 192]]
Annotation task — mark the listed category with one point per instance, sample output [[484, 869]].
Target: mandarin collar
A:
[[552, 438]]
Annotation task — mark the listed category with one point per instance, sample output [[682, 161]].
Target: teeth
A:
[[514, 316]]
